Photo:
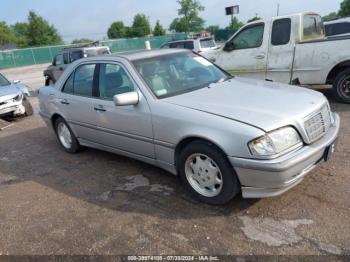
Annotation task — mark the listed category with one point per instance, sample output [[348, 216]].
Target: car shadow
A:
[[104, 179]]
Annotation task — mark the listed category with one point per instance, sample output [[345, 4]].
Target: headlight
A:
[[275, 142]]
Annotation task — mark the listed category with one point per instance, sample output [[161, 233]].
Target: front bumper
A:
[[15, 108], [267, 178]]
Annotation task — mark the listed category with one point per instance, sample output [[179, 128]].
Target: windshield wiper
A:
[[225, 79]]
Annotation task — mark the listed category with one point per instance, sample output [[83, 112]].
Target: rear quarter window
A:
[[281, 30], [207, 43], [312, 27]]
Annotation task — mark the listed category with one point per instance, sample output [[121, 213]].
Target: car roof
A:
[[144, 54]]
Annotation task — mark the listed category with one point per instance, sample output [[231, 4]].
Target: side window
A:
[[189, 45], [84, 80], [165, 46], [250, 37], [66, 58], [76, 55], [177, 45], [59, 60], [338, 28], [69, 85], [113, 80], [281, 30]]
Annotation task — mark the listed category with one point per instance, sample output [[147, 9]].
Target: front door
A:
[[126, 128], [247, 55]]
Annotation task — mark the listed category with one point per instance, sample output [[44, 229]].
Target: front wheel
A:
[[341, 86], [66, 137], [207, 174], [48, 81]]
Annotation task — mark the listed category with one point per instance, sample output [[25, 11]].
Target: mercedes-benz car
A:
[[14, 98], [174, 109]]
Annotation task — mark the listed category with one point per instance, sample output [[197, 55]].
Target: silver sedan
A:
[[220, 134]]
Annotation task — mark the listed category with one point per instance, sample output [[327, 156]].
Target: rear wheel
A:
[[65, 136], [341, 86], [207, 174]]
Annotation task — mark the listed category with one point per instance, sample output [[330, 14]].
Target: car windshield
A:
[[174, 74], [4, 81]]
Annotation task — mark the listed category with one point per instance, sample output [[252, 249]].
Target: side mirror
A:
[[126, 99], [16, 81], [229, 46]]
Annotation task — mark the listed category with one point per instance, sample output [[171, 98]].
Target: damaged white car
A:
[[14, 98]]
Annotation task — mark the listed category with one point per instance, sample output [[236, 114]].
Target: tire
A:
[[341, 86], [48, 81], [28, 107], [202, 163], [71, 146]]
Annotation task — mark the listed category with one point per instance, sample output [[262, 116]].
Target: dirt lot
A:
[[99, 203]]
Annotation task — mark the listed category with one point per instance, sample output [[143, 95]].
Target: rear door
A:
[[281, 51], [76, 101], [248, 55]]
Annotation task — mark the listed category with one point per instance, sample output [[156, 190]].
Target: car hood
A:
[[8, 92], [262, 104]]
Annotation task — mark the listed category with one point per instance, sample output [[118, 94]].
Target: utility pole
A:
[[278, 9]]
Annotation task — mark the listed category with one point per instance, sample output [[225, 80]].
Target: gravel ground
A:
[[94, 202]]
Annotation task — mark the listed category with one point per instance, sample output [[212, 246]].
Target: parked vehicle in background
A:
[[14, 98], [176, 110], [288, 49], [337, 27], [69, 55], [197, 45]]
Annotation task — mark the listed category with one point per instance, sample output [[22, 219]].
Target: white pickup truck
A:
[[289, 49]]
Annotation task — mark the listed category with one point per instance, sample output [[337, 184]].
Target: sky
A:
[[91, 18]]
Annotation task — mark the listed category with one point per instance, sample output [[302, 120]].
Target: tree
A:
[[40, 32], [235, 24], [82, 41], [330, 16], [21, 31], [212, 29], [117, 30], [7, 36], [256, 18], [189, 20], [344, 8], [158, 29], [140, 26]]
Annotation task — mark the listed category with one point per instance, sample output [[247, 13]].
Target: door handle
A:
[[260, 56], [64, 102], [100, 109]]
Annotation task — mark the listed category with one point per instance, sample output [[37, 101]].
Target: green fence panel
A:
[[24, 57], [6, 60], [41, 55]]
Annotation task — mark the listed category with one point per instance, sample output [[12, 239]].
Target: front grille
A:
[[318, 124]]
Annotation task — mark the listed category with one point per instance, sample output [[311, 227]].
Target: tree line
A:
[[37, 31], [343, 11]]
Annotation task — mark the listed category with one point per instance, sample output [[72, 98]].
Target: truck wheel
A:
[[341, 86], [27, 106], [48, 81], [206, 173], [65, 136]]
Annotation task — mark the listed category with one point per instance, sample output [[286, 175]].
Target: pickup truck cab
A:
[[289, 49]]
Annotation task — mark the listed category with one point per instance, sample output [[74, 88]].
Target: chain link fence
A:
[[42, 55]]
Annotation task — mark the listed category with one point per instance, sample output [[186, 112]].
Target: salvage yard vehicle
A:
[[288, 49], [176, 110], [197, 45], [14, 98], [69, 55]]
